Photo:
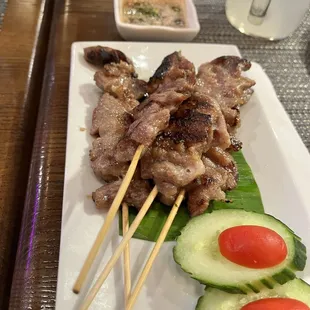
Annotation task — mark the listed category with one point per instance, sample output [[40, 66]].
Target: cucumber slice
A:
[[197, 252], [215, 299]]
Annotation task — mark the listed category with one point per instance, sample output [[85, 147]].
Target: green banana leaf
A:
[[245, 196]]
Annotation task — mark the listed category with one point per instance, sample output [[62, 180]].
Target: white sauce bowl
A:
[[133, 32]]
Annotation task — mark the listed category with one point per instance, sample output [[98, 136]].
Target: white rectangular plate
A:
[[273, 149]]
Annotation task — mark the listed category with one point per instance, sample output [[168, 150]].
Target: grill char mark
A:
[[102, 55], [164, 67], [190, 123]]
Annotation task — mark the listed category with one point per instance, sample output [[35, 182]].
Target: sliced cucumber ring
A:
[[197, 252], [215, 299]]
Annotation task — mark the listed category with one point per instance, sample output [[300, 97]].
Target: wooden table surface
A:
[[23, 43], [35, 275]]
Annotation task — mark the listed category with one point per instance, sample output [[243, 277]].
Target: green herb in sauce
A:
[[175, 8], [160, 12], [145, 9]]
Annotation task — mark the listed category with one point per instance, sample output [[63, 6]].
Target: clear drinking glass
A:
[[270, 19]]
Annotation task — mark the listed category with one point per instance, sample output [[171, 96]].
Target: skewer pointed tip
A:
[[76, 290]]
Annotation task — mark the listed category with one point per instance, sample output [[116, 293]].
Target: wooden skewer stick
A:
[[108, 221], [155, 251], [133, 227], [127, 275]]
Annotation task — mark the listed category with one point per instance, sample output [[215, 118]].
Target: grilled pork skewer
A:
[[231, 66], [121, 93], [234, 90], [171, 85], [157, 127], [227, 87], [113, 114], [110, 120]]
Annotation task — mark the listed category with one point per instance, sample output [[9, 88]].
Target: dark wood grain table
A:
[[35, 276], [23, 41], [35, 273]]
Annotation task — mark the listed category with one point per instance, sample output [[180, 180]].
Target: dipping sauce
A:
[[155, 12]]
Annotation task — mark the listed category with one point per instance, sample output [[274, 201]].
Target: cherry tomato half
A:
[[276, 304], [252, 246]]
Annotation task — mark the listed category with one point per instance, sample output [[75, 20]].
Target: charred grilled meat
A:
[[117, 74], [111, 120], [221, 79], [172, 68], [136, 194], [174, 160], [168, 91], [220, 175], [186, 124], [199, 120], [102, 55], [113, 115], [120, 80], [171, 165]]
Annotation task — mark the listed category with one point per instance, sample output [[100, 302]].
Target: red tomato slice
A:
[[276, 304], [252, 246]]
